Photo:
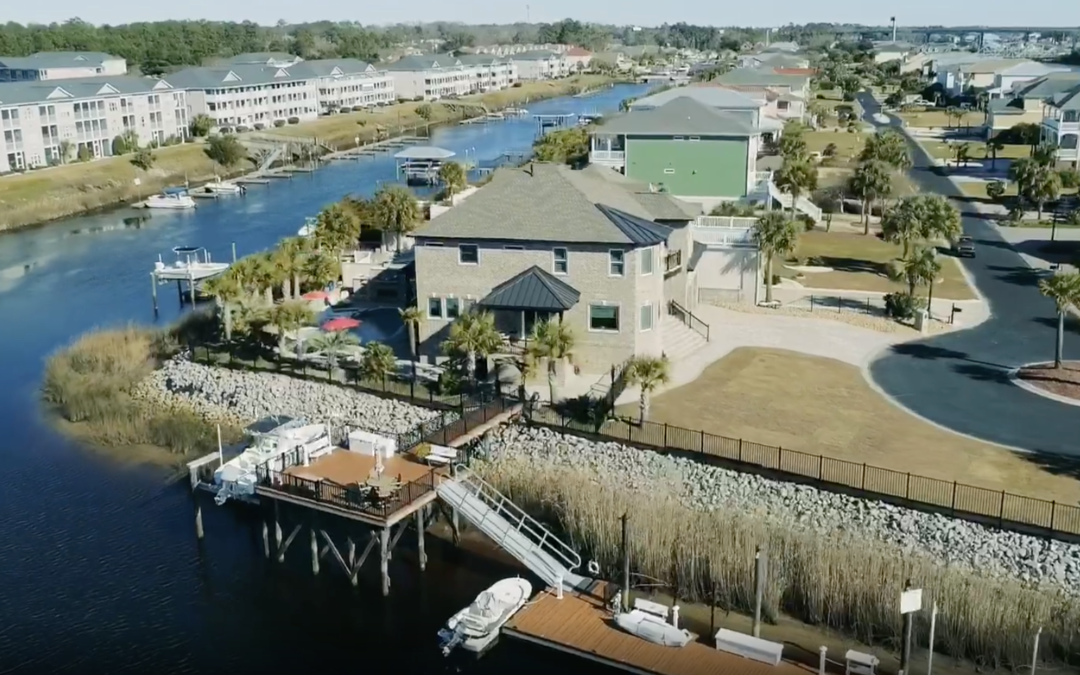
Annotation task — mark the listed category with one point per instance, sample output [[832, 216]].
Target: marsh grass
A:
[[841, 582], [92, 383]]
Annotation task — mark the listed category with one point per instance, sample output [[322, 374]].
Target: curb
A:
[[1014, 377]]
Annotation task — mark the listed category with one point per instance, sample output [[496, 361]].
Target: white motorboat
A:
[[515, 112], [477, 626], [170, 200], [308, 229], [652, 628], [189, 265], [220, 187], [277, 443]]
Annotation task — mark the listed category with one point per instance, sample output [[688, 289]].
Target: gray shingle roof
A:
[[550, 203], [43, 91], [56, 60], [422, 62], [538, 55], [1045, 87], [781, 60], [714, 97], [761, 76], [237, 75], [658, 205], [262, 57], [683, 116], [533, 289], [481, 59]]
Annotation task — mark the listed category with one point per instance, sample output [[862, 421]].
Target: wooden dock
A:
[[580, 624]]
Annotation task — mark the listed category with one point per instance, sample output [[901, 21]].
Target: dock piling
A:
[[282, 548], [455, 527], [314, 552], [384, 559], [266, 540], [153, 291], [420, 526], [198, 522], [234, 252], [760, 571]]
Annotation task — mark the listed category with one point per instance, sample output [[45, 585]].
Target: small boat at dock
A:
[[308, 230], [653, 628], [220, 187], [193, 263], [170, 200], [272, 438], [477, 626], [515, 112]]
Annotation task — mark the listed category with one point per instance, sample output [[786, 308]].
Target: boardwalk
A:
[[579, 624]]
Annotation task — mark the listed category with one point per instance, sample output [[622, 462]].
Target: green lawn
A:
[[937, 119], [830, 99], [848, 144], [976, 150], [860, 263]]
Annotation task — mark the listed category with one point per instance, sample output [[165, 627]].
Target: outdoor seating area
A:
[[373, 479]]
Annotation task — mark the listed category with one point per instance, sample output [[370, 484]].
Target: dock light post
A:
[[626, 561], [910, 602], [761, 568]]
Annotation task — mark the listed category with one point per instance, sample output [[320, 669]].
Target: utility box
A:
[[857, 663], [922, 321]]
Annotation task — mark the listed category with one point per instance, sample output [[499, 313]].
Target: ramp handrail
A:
[[538, 535]]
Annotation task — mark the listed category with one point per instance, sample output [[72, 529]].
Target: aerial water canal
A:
[[99, 567]]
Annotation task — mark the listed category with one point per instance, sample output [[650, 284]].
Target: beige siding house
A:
[[546, 242]]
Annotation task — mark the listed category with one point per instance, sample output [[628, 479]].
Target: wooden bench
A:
[[749, 647], [650, 607]]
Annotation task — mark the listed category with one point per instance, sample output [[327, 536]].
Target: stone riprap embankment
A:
[[241, 397], [708, 488]]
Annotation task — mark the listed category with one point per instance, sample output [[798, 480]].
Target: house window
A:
[[469, 254], [604, 317], [437, 244], [616, 263], [678, 138], [646, 262], [646, 317], [453, 308], [695, 138], [781, 105], [434, 308], [669, 172], [513, 248], [562, 260]]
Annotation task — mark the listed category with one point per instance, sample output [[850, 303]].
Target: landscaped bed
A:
[[977, 152], [848, 144], [823, 406], [860, 263], [937, 119], [1064, 381]]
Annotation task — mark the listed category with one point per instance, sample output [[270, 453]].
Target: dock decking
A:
[[580, 624]]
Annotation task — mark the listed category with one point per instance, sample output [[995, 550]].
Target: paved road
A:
[[959, 380]]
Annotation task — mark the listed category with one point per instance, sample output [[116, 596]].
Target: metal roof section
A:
[[533, 289]]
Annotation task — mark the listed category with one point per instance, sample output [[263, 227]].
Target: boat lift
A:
[[192, 265]]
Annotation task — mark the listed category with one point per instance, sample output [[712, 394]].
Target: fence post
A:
[[811, 303], [1001, 511], [907, 487], [862, 483], [740, 449], [954, 495], [779, 457], [820, 467], [702, 433], [1053, 512], [412, 385], [665, 434]]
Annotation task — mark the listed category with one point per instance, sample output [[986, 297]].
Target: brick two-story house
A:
[[546, 242]]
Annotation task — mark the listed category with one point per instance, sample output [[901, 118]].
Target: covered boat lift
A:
[[420, 164]]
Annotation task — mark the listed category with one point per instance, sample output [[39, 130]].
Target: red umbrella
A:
[[316, 295], [340, 323]]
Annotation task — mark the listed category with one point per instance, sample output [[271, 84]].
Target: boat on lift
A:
[[170, 200], [477, 626], [276, 444], [220, 187], [515, 112], [192, 263], [308, 230]]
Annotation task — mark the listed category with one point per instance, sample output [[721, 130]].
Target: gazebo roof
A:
[[425, 152], [533, 289]]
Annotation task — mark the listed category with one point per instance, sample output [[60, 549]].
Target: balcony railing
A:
[[608, 155], [730, 222], [673, 261]]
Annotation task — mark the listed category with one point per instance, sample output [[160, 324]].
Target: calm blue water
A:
[[99, 568]]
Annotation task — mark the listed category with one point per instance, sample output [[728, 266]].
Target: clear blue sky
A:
[[1066, 13]]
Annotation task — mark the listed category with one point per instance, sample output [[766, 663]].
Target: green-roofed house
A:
[[605, 255], [39, 119], [60, 66], [781, 83], [268, 91]]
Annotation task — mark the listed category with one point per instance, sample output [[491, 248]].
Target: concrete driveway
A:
[[959, 380]]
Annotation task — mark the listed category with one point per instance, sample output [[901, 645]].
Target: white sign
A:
[[911, 601], [137, 181]]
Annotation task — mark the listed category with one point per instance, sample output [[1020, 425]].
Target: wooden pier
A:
[[580, 623]]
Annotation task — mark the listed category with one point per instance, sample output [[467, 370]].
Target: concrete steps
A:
[[679, 340]]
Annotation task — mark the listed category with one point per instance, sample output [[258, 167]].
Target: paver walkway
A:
[[959, 380]]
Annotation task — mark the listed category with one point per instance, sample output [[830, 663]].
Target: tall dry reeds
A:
[[842, 582], [93, 383]]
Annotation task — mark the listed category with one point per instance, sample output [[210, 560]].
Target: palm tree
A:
[[917, 268], [1045, 187], [454, 178], [411, 318], [795, 177], [870, 181], [290, 316], [334, 344], [648, 373], [397, 211], [378, 362], [889, 147], [1064, 289], [473, 335], [775, 234], [337, 227], [265, 276], [993, 147], [322, 268], [553, 341], [225, 290], [288, 260]]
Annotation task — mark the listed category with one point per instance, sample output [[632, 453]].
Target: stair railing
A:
[[686, 317], [538, 536]]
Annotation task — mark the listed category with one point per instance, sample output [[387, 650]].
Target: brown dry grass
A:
[[860, 263], [937, 119], [825, 407]]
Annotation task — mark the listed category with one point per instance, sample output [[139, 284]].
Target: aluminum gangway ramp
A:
[[515, 531]]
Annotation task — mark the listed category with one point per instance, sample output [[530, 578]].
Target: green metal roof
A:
[[239, 75], [682, 116], [534, 289], [762, 77], [552, 203], [42, 60], [46, 91]]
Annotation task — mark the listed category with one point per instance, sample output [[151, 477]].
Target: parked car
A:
[[964, 247]]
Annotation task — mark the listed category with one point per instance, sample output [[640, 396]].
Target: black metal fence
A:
[[1007, 509]]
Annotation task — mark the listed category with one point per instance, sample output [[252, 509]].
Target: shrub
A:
[[848, 96], [345, 109], [903, 306], [279, 123], [224, 131], [259, 126], [241, 129], [995, 189], [294, 120]]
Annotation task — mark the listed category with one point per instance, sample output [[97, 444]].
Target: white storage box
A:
[[369, 444], [749, 647]]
